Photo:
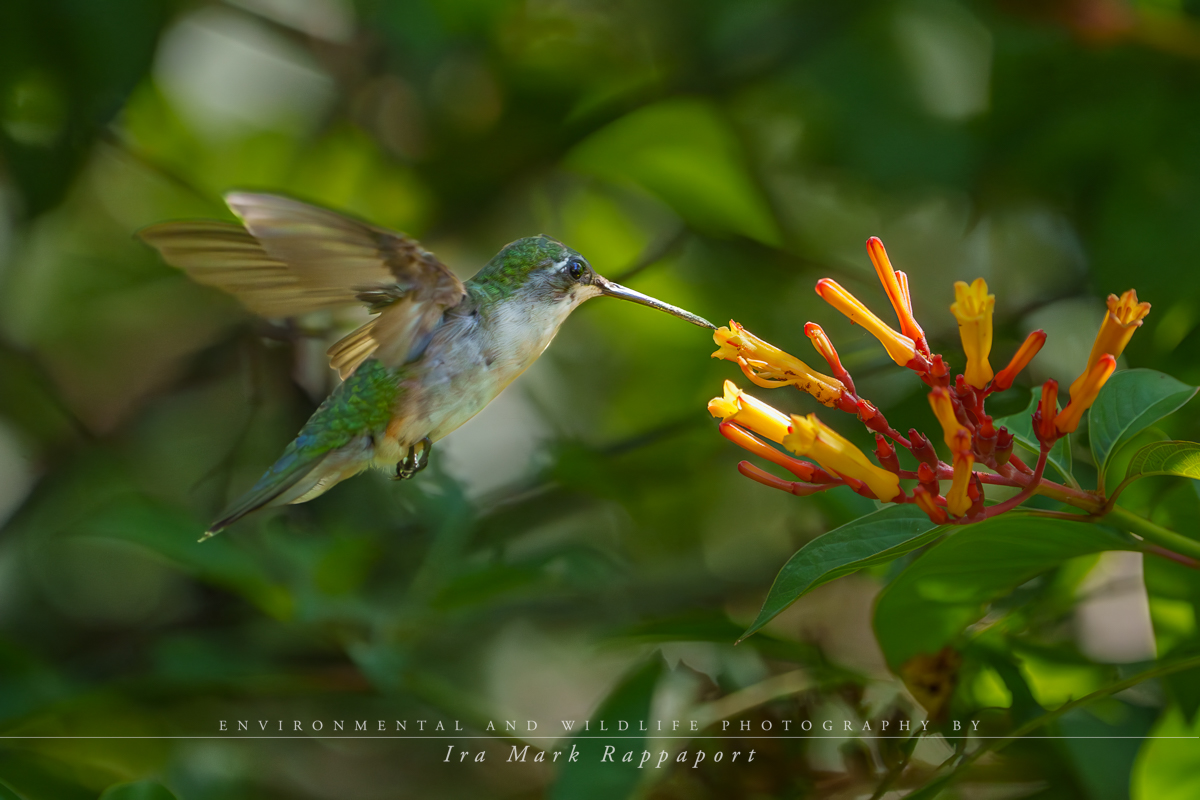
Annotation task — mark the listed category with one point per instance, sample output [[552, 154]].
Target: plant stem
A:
[[1029, 490], [1153, 532], [1047, 718], [910, 744]]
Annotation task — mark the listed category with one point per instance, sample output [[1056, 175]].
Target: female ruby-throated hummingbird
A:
[[436, 352]]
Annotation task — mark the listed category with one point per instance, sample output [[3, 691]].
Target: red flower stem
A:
[[1029, 491], [1178, 558], [1019, 464], [897, 437]]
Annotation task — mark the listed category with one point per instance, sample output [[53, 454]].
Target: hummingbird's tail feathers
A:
[[285, 482], [225, 256], [338, 441]]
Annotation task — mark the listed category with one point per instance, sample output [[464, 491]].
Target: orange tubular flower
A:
[[958, 501], [1047, 409], [1025, 353], [770, 367], [973, 308], [797, 488], [750, 413], [811, 437], [1083, 393], [825, 347], [801, 469], [901, 348], [943, 409], [895, 283], [1125, 315]]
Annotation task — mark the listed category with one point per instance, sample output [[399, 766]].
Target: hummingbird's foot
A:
[[426, 449], [412, 464]]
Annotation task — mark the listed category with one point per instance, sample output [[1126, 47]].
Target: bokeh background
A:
[[587, 536]]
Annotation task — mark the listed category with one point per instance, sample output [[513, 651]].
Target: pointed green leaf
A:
[[1130, 401], [875, 538], [1021, 427], [949, 587], [1166, 458]]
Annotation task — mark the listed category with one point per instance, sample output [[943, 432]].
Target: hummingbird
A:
[[433, 354]]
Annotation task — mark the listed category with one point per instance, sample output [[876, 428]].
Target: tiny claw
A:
[[426, 449]]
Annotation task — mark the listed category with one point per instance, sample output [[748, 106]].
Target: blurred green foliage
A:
[[586, 537]]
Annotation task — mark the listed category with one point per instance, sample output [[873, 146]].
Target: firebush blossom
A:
[[979, 451], [972, 308]]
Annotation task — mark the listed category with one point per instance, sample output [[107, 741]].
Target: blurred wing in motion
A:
[[292, 258]]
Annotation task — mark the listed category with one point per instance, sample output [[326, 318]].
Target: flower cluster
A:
[[980, 452]]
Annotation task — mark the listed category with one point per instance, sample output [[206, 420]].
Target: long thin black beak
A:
[[617, 290]]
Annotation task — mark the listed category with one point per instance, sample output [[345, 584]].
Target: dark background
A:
[[721, 156]]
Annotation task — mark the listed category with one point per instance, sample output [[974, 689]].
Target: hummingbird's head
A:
[[545, 271]]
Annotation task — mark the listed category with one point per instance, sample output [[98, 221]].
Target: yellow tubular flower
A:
[[1124, 316], [957, 500], [811, 437], [770, 367], [1083, 393], [896, 288], [943, 409], [752, 414], [973, 308], [901, 348]]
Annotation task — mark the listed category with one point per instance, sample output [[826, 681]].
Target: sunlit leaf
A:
[[1166, 458], [949, 587], [1168, 766], [684, 152], [1130, 401], [873, 539]]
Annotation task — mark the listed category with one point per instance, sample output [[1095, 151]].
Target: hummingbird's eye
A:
[[575, 270]]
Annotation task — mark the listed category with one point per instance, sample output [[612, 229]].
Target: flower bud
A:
[[1043, 418], [896, 285], [1025, 353], [901, 348]]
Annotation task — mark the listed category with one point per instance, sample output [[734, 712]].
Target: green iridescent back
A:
[[362, 404]]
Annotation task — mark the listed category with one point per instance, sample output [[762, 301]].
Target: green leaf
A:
[[949, 587], [1168, 766], [684, 152], [1130, 401], [589, 778], [142, 790], [1165, 458], [1021, 427], [172, 535], [7, 792], [875, 538]]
